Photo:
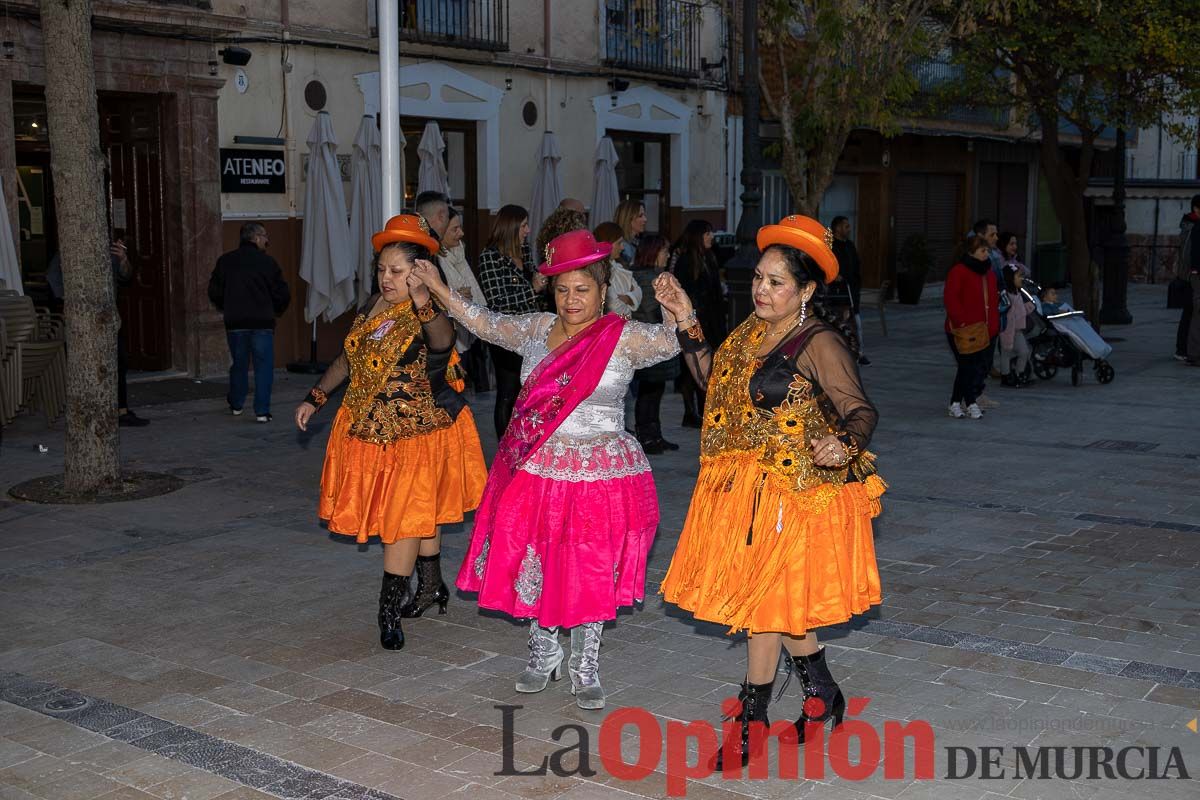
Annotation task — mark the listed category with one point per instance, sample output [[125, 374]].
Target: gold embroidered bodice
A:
[[391, 395], [764, 409]]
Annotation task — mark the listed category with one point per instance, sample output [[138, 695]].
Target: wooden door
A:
[[130, 137]]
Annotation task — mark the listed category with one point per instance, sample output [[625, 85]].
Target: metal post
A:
[[389, 106], [751, 220], [1113, 310]]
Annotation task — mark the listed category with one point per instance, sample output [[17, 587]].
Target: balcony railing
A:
[[471, 24], [660, 36], [934, 78]]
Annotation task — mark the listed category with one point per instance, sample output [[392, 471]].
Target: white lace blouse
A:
[[591, 443]]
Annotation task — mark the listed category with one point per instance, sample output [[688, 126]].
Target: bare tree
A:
[[92, 447]]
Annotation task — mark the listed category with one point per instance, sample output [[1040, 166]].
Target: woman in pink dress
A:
[[569, 511]]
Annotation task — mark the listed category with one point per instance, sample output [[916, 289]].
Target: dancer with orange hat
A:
[[778, 538], [403, 454], [570, 510]]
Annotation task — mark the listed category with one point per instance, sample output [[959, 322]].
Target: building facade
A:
[[494, 74]]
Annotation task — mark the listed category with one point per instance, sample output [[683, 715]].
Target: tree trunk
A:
[[92, 447], [1068, 200]]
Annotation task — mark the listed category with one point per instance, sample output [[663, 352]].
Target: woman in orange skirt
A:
[[403, 455], [778, 539]]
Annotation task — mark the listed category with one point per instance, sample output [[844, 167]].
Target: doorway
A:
[[131, 140], [461, 158], [930, 205], [643, 173], [130, 136]]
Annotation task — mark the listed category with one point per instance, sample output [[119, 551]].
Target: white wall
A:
[[259, 112], [1158, 155]]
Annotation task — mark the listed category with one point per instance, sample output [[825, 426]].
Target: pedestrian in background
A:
[[1189, 267], [631, 216], [435, 208], [1010, 252], [247, 286], [972, 324], [695, 267], [650, 262], [850, 272], [1014, 347], [509, 287], [453, 260]]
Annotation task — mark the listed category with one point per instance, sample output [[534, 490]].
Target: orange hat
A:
[[806, 234], [406, 228]]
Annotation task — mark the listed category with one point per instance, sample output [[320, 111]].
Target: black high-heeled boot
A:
[[391, 595], [823, 698], [430, 587], [754, 697]]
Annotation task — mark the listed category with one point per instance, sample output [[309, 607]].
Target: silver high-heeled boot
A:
[[545, 659], [584, 665]]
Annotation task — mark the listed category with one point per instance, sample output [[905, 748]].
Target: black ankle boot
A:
[[823, 699], [754, 697], [430, 588], [395, 587]]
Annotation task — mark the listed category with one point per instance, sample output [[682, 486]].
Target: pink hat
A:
[[573, 250]]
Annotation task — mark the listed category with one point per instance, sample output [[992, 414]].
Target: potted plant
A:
[[915, 263]]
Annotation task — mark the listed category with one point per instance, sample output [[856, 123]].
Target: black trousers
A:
[[971, 374], [1181, 334], [475, 363], [508, 385], [122, 369], [646, 410]]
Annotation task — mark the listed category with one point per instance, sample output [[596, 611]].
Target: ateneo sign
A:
[[252, 171]]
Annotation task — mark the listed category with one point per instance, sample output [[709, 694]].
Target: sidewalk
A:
[[1041, 588]]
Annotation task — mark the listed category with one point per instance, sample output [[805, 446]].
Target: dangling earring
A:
[[803, 311]]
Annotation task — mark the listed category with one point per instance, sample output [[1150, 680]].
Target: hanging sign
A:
[[252, 171]]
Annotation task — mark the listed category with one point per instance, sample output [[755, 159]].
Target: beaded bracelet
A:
[[316, 397]]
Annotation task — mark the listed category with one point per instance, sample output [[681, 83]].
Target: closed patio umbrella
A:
[[605, 192], [432, 175], [325, 260], [366, 204], [547, 188], [10, 269]]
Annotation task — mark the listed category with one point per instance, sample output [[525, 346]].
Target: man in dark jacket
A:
[[248, 287], [850, 273]]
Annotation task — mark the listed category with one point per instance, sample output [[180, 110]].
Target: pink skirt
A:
[[566, 552]]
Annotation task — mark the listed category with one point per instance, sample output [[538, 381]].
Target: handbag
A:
[[974, 337]]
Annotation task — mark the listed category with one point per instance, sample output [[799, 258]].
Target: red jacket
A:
[[970, 297]]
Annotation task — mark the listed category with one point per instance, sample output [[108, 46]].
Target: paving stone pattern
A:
[[1040, 589]]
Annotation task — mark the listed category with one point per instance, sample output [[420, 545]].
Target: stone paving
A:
[[1040, 589]]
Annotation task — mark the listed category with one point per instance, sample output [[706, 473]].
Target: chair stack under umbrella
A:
[[33, 359]]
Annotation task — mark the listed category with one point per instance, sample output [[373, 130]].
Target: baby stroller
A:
[[1062, 338]]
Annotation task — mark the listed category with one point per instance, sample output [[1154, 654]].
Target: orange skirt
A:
[[810, 561], [401, 490]]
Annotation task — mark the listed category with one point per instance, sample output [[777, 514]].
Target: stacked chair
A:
[[33, 359]]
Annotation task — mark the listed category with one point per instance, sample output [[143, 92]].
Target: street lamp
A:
[[1113, 308]]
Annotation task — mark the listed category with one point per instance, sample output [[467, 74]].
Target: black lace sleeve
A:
[[697, 353], [334, 377], [437, 329], [828, 361]]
